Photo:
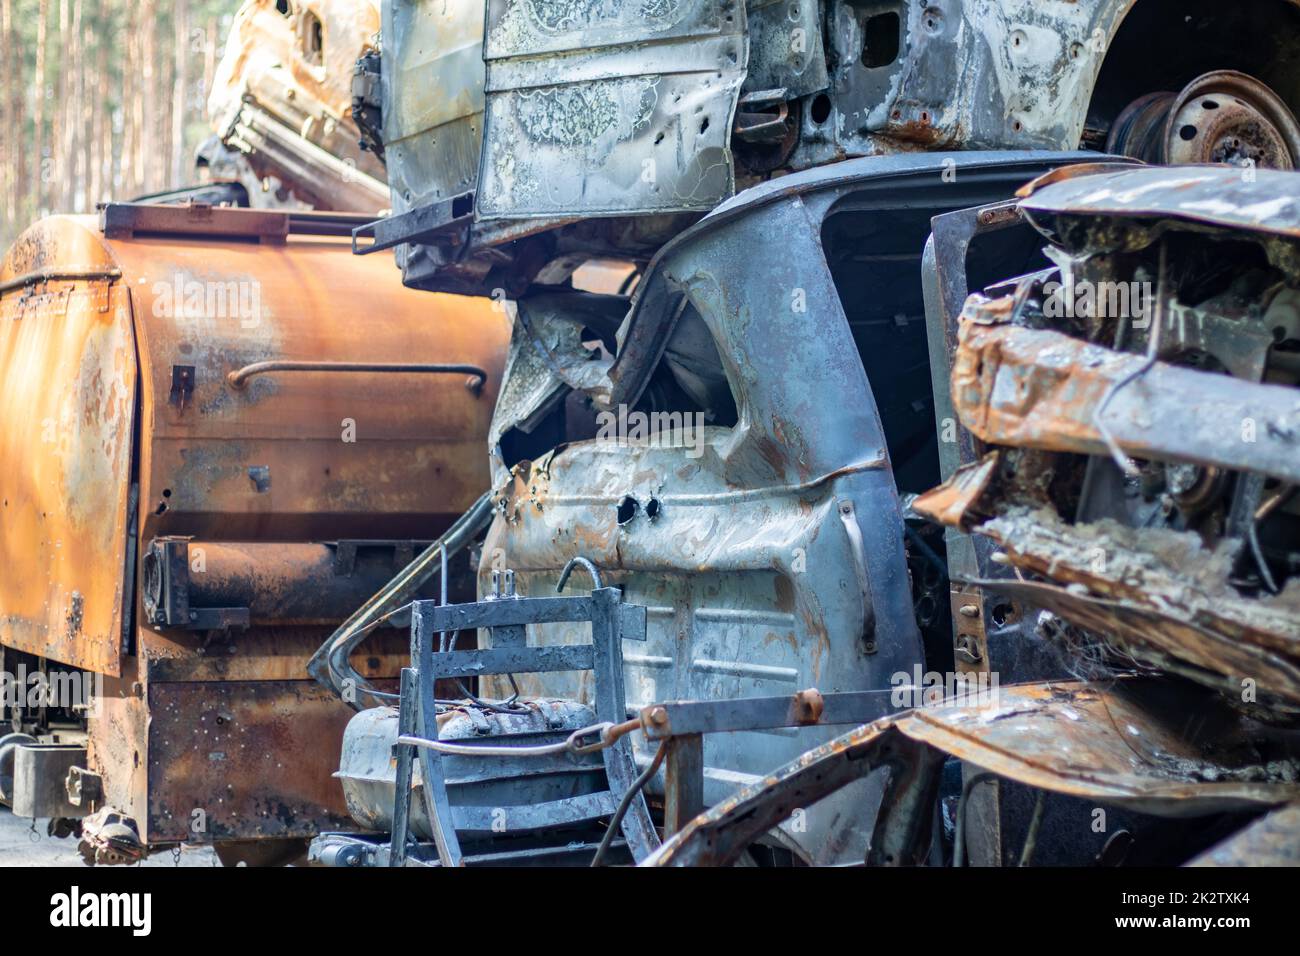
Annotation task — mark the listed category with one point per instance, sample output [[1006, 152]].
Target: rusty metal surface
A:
[[1219, 117], [304, 455], [751, 556], [1163, 596], [1036, 388], [284, 102], [1219, 196], [324, 455], [1139, 747], [283, 487], [1130, 745], [1157, 546], [289, 584], [250, 760], [67, 403]]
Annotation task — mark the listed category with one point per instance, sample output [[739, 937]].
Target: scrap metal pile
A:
[[885, 464], [1141, 462]]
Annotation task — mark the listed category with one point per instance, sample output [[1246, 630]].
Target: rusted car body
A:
[[1139, 459], [524, 136], [281, 107], [1148, 534], [771, 175], [217, 442], [1146, 540], [773, 559]]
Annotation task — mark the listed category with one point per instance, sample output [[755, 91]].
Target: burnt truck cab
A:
[[215, 446]]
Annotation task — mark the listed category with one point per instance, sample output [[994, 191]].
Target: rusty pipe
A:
[[59, 275]]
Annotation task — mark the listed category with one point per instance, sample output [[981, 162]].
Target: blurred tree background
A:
[[101, 99]]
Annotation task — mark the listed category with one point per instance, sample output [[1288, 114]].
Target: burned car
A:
[[730, 446], [1094, 396], [523, 137], [1137, 413]]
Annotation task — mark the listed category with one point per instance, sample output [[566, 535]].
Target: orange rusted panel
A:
[[255, 760], [290, 456], [300, 455], [67, 403]]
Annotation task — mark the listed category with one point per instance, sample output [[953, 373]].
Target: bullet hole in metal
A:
[[627, 509], [652, 509], [260, 476]]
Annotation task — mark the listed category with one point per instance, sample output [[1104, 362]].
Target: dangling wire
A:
[[616, 821], [1153, 350]]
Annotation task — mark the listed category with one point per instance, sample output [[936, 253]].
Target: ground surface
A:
[[20, 847]]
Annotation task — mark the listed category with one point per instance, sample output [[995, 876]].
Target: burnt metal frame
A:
[[681, 725], [1011, 649], [123, 220], [506, 617], [440, 220], [902, 831]]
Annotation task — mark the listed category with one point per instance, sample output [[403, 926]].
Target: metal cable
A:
[[609, 733], [1031, 836], [616, 821], [1121, 459]]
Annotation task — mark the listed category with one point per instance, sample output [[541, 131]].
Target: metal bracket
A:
[[970, 642], [182, 386], [165, 591], [446, 219]]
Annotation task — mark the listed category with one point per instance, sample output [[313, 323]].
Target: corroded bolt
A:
[[659, 716], [968, 610]]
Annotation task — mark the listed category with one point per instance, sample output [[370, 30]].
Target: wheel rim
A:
[[1220, 117], [1229, 117]]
